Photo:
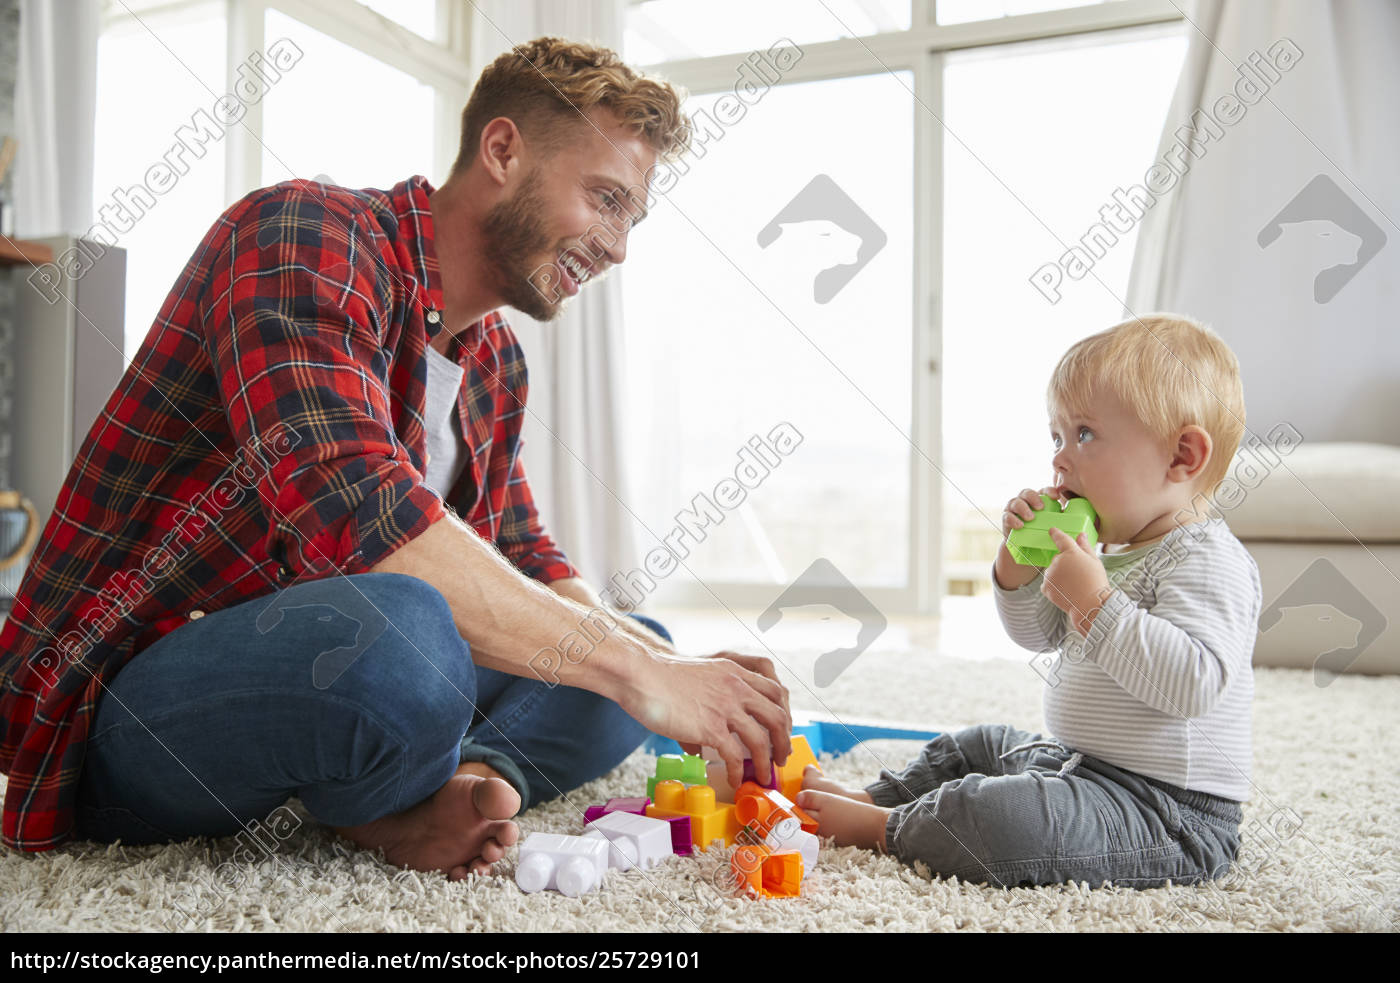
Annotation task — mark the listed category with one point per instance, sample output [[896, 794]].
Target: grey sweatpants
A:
[[999, 806]]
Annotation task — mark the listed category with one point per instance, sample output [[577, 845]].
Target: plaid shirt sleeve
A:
[[293, 324]]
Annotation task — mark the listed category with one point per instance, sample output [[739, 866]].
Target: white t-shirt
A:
[[447, 449]]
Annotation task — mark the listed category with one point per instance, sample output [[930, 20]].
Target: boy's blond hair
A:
[[1172, 371], [544, 86]]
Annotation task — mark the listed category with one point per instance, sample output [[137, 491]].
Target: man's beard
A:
[[515, 238]]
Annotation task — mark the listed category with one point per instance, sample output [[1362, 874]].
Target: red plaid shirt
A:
[[270, 429]]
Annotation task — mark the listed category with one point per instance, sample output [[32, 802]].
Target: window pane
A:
[[419, 16], [153, 66], [963, 11], [1046, 127], [774, 203], [661, 30], [341, 113]]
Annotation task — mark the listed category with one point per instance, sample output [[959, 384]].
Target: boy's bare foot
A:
[[813, 778], [464, 827], [850, 822]]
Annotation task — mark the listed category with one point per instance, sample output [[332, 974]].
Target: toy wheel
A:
[[532, 874], [576, 877]]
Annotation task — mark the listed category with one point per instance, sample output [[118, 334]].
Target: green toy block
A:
[[1032, 546], [688, 769]]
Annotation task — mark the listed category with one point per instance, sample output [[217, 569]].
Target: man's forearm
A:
[[580, 590], [506, 617]]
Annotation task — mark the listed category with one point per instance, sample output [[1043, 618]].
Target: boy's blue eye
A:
[[1085, 430]]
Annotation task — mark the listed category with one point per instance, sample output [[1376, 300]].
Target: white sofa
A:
[[1324, 527]]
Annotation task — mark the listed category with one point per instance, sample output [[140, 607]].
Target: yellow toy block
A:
[[709, 820], [790, 774]]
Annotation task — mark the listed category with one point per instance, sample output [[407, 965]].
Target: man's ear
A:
[[1191, 454], [500, 149]]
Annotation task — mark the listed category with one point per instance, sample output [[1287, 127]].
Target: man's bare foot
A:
[[813, 778], [464, 827], [850, 822]]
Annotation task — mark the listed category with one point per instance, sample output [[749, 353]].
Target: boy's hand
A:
[[1023, 507], [1075, 581], [1008, 574]]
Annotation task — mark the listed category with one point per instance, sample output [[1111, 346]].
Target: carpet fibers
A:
[[1321, 844]]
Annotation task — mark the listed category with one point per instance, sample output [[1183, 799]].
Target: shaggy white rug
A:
[[1322, 849]]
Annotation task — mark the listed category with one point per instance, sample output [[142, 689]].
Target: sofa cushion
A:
[[1326, 492]]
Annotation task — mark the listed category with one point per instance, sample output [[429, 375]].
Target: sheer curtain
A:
[[55, 106], [576, 467], [1282, 231]]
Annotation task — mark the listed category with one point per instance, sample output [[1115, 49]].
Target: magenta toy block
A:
[[637, 805], [682, 842], [750, 774]]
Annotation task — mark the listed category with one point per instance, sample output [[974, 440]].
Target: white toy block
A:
[[571, 865], [789, 835], [637, 841]]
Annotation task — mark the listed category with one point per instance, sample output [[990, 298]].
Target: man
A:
[[255, 585]]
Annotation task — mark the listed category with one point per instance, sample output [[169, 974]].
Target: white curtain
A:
[[55, 110], [1283, 233], [573, 452]]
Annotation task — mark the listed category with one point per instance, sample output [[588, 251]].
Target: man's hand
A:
[[733, 703], [1075, 581]]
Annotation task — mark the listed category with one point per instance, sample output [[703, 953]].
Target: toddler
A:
[[1145, 647]]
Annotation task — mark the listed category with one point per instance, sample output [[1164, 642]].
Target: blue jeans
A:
[[998, 806], [355, 694]]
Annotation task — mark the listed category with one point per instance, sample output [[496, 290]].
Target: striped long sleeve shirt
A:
[[1162, 685]]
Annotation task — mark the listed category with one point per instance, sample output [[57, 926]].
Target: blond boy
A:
[[1148, 706]]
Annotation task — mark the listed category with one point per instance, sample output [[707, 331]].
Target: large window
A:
[[733, 327], [977, 139], [171, 70], [1042, 146], [371, 99]]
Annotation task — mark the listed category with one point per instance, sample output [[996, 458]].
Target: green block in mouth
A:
[[1031, 545]]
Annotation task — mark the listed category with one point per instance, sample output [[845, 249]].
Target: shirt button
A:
[[196, 615], [434, 317], [284, 571]]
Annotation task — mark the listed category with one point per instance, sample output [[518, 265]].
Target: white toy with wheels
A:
[[571, 865]]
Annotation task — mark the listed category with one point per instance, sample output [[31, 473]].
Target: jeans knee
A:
[[407, 662]]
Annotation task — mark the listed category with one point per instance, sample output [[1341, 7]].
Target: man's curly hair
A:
[[545, 85]]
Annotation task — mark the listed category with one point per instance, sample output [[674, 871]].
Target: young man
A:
[[255, 584]]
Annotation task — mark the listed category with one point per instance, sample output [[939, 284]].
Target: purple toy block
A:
[[750, 774], [682, 842], [637, 805]]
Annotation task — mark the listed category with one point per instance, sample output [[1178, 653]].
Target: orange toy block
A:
[[790, 774], [760, 870], [709, 820], [765, 808]]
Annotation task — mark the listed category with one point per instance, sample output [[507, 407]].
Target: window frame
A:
[[442, 65], [920, 50]]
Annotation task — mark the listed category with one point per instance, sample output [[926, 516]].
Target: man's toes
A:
[[505, 833], [457, 873], [491, 851], [481, 868], [495, 798]]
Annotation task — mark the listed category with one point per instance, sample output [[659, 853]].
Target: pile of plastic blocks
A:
[[689, 806]]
